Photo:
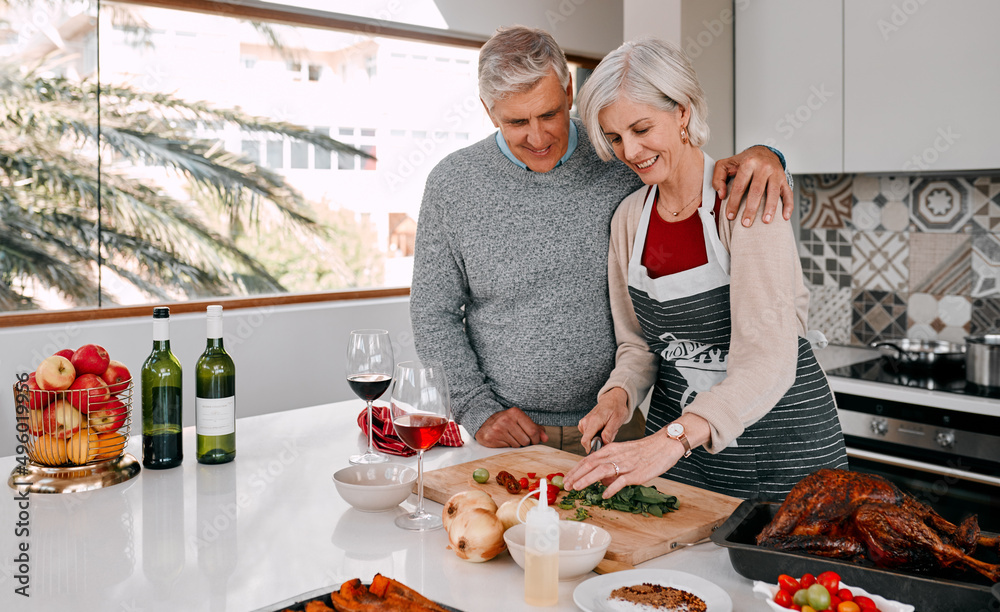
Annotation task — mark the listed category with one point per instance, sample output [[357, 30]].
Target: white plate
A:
[[885, 605], [592, 595]]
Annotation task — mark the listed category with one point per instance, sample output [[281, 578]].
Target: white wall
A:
[[286, 356], [704, 30]]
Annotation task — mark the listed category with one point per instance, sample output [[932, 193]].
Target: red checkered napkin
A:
[[385, 439]]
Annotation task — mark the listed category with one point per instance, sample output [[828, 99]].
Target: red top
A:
[[674, 247]]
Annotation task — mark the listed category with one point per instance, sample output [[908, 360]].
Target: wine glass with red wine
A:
[[369, 373], [420, 409]]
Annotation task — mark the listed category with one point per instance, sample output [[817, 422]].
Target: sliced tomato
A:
[[531, 474]]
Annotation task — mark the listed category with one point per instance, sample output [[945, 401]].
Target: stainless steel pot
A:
[[982, 360], [923, 354]]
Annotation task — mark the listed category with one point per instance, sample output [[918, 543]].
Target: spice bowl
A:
[[376, 487], [581, 547]]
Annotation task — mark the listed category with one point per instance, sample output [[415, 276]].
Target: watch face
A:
[[675, 429]]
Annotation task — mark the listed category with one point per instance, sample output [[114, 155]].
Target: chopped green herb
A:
[[581, 515], [636, 499]]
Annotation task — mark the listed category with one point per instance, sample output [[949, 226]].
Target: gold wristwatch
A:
[[676, 431]]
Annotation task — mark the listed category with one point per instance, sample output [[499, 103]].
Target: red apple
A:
[[62, 419], [109, 417], [55, 373], [90, 359], [116, 376], [37, 422], [67, 353], [37, 399], [86, 391]]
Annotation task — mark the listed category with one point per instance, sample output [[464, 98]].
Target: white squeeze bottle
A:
[[541, 555]]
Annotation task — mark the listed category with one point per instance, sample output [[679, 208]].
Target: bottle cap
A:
[[214, 310], [161, 312], [543, 506]]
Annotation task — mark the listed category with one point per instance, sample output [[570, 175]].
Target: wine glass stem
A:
[[371, 445], [420, 482]]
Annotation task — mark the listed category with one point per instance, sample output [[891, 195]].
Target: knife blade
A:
[[596, 443]]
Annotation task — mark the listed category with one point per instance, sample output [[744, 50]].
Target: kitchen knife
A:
[[596, 443]]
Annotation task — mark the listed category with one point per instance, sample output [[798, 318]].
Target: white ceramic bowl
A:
[[375, 488], [581, 547]]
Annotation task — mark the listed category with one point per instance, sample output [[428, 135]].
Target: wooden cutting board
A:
[[634, 538]]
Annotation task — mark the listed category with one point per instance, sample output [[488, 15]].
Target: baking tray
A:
[[298, 603], [968, 592]]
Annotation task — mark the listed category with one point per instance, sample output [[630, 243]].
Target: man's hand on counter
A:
[[510, 428]]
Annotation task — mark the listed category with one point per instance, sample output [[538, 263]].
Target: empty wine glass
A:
[[369, 372], [420, 409]]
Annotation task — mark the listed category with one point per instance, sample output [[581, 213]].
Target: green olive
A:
[[481, 475]]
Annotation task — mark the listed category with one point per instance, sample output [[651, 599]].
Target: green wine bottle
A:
[[215, 396], [161, 400]]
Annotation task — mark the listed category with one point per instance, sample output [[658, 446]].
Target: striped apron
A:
[[685, 318]]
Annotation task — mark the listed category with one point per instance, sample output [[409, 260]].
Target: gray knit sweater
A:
[[510, 286]]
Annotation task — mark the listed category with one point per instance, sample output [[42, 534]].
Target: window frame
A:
[[285, 15]]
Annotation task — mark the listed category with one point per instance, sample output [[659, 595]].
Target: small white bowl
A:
[[581, 547], [375, 488]]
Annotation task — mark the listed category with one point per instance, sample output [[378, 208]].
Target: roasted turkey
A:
[[851, 515]]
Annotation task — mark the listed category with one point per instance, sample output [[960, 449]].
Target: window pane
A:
[[234, 92], [49, 177], [275, 154], [300, 154]]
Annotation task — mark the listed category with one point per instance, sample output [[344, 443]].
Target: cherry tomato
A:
[[865, 603], [834, 602], [831, 580], [796, 607], [789, 584], [808, 609], [801, 597], [807, 580], [846, 595], [783, 598], [848, 606], [557, 481], [531, 474], [523, 482], [819, 597]]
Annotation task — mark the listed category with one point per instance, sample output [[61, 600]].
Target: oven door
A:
[[954, 493]]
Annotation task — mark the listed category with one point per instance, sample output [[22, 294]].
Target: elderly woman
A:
[[708, 312]]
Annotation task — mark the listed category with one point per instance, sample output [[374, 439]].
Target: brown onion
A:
[[463, 501], [508, 514], [477, 535]]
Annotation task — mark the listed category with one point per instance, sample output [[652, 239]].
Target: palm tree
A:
[[74, 209]]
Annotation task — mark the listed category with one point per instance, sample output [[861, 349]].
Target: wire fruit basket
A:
[[72, 440]]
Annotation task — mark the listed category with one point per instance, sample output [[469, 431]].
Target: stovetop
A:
[[883, 370]]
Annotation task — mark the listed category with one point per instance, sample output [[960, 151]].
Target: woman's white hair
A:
[[515, 59], [646, 71]]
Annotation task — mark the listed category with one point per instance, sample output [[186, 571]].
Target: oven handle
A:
[[923, 467]]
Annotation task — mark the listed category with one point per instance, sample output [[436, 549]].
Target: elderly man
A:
[[510, 273]]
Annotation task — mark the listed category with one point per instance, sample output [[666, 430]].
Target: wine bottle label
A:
[[216, 416]]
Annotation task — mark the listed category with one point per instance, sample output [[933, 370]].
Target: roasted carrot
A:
[[384, 587], [317, 606]]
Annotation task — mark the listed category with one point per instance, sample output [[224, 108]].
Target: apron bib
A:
[[685, 318]]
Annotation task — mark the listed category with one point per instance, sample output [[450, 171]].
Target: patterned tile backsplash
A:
[[887, 257]]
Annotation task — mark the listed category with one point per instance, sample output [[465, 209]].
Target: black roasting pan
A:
[[968, 592]]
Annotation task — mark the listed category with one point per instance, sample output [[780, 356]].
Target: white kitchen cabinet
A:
[[870, 85], [789, 81], [921, 85]]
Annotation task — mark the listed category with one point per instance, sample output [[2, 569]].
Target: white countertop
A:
[[267, 527]]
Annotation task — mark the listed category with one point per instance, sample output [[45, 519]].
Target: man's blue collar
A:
[[570, 147]]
